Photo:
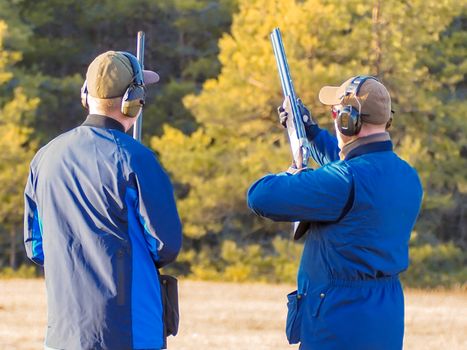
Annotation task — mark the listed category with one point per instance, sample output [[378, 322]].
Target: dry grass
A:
[[236, 316]]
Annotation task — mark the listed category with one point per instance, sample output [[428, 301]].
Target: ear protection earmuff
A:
[[349, 119], [84, 95], [135, 94]]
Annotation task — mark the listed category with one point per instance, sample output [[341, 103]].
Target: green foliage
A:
[[17, 151], [277, 262], [436, 265], [63, 36], [24, 271]]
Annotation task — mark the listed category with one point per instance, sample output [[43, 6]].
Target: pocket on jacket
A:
[[294, 319], [317, 303]]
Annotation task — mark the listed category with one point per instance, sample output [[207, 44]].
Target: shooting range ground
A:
[[237, 316]]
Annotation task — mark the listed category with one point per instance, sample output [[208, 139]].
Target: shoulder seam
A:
[[121, 155]]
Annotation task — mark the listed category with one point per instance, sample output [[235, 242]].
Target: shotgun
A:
[[299, 144], [140, 56]]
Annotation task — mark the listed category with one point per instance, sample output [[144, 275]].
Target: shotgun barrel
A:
[[301, 149], [299, 144], [140, 56]]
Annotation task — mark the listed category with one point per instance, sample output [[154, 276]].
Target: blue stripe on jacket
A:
[[32, 228], [146, 313]]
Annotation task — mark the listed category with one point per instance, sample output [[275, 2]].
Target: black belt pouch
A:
[[169, 295]]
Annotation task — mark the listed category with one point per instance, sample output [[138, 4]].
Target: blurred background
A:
[[212, 119]]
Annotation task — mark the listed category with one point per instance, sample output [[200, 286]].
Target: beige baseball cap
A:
[[110, 74], [374, 99]]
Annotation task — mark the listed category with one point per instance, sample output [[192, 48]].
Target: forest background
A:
[[212, 120]]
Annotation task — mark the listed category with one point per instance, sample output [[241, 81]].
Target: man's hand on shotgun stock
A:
[[293, 170], [285, 111]]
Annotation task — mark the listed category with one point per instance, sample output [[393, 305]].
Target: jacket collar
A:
[[380, 142], [104, 122]]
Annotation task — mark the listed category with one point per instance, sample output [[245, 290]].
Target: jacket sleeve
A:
[[319, 196], [324, 148], [32, 224], [158, 212]]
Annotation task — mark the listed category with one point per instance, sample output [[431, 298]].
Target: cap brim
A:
[[329, 95], [150, 77], [333, 95]]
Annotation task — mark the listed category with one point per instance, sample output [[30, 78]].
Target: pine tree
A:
[[17, 151]]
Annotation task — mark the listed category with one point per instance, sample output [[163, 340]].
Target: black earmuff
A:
[[349, 119], [349, 122], [389, 123], [84, 95], [134, 96]]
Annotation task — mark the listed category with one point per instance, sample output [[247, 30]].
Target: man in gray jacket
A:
[[100, 216]]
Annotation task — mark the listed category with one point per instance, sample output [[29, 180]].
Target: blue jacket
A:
[[362, 210], [100, 216]]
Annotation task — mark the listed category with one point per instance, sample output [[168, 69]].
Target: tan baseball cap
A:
[[110, 74], [374, 99]]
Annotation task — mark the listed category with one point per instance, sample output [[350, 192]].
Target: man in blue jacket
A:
[[100, 216], [362, 204]]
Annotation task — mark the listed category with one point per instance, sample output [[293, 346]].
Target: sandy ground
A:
[[236, 316]]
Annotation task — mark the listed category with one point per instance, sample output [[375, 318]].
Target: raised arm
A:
[[318, 196]]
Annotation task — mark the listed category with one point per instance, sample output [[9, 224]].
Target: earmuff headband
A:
[[349, 120], [135, 66]]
